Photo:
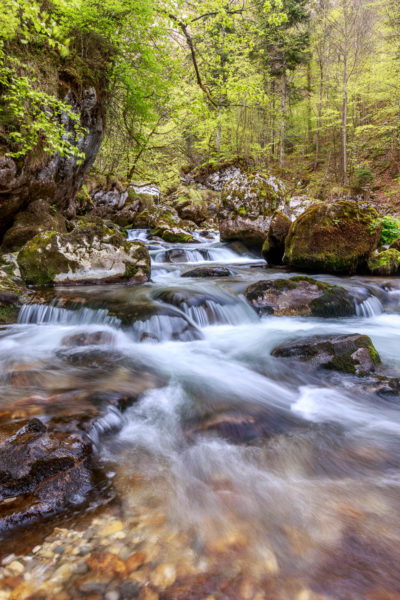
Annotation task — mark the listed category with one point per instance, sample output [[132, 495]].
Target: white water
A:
[[302, 479]]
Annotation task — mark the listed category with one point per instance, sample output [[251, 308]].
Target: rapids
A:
[[250, 478]]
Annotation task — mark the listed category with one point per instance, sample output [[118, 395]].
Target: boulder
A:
[[247, 205], [171, 232], [301, 296], [55, 178], [299, 204], [91, 253], [208, 272], [386, 262], [120, 204], [44, 470], [38, 217], [274, 245], [353, 353], [333, 238], [189, 204], [396, 244]]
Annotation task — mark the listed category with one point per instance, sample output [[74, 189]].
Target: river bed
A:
[[233, 475]]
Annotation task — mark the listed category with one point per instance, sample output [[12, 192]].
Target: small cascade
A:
[[370, 307], [180, 255], [162, 328], [40, 314], [138, 234], [214, 313]]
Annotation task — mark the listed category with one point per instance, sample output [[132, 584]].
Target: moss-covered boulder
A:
[[386, 262], [12, 296], [353, 353], [247, 205], [301, 296], [396, 244], [38, 217], [333, 238], [274, 245], [91, 253], [171, 233], [189, 204]]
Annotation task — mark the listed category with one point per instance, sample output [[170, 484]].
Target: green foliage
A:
[[390, 230], [29, 116]]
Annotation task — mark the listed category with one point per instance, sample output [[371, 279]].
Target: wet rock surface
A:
[[348, 353], [44, 470], [208, 272], [300, 296]]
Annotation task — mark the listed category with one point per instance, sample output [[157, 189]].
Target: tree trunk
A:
[[344, 122], [283, 121], [317, 135]]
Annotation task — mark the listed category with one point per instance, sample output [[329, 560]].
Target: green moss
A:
[[8, 314], [343, 363], [334, 238], [385, 263]]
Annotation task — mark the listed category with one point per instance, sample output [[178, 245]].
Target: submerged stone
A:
[[208, 272], [301, 296]]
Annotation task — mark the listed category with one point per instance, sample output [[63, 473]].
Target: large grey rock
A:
[[247, 205], [91, 253]]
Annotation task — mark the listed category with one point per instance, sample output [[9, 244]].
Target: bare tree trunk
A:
[[283, 121], [273, 122], [309, 111], [317, 135], [344, 122]]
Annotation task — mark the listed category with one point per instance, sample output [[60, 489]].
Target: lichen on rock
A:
[[91, 253], [247, 205]]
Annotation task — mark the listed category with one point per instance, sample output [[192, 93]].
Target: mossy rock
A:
[[38, 217], [12, 296], [333, 238], [274, 245], [91, 253], [354, 354], [189, 204], [300, 296], [386, 262], [248, 203]]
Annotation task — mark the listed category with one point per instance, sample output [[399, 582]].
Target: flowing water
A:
[[235, 474]]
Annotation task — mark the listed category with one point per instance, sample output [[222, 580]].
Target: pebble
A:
[[16, 567], [163, 575], [130, 589], [112, 595], [112, 528], [135, 561]]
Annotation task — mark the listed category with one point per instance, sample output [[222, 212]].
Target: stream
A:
[[234, 474]]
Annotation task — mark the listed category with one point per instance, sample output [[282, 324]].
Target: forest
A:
[[308, 89]]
